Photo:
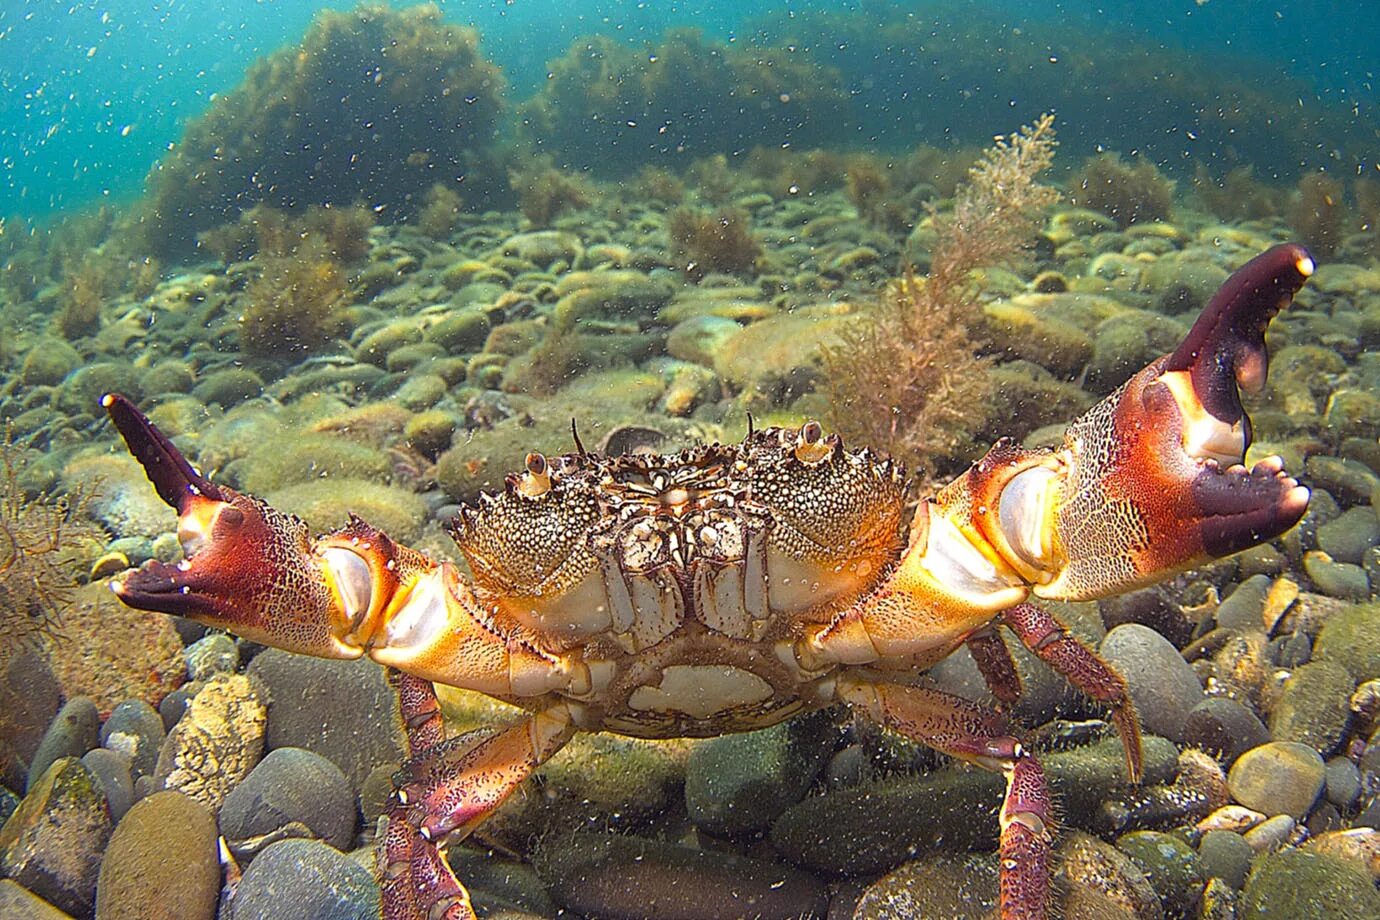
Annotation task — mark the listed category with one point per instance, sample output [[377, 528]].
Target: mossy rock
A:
[[1313, 708], [229, 387], [1292, 885], [1351, 638], [326, 504], [1170, 864], [83, 388], [298, 456], [375, 347], [459, 332], [1059, 347], [171, 376], [49, 360]]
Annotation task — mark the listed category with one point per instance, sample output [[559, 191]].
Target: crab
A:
[[726, 588]]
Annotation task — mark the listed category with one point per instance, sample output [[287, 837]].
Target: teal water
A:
[[91, 94]]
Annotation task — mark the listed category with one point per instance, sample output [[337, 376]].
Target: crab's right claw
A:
[[1156, 479], [249, 568]]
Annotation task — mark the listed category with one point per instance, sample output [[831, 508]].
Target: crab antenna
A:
[[574, 433], [749, 415]]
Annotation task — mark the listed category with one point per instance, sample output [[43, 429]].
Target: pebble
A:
[[162, 863], [306, 878], [617, 877], [1351, 638], [343, 710], [1171, 865], [1103, 882], [1223, 727], [1162, 684], [1225, 855], [738, 784], [135, 730], [1278, 778], [19, 903], [936, 886], [1294, 885], [1359, 846], [291, 785], [1243, 608], [1347, 537], [174, 706], [1349, 480], [112, 770], [30, 697], [1313, 707], [216, 743], [1270, 834], [1336, 579], [1343, 781], [72, 734], [212, 655], [53, 842]]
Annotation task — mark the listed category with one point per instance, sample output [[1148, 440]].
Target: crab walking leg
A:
[[994, 663], [968, 731], [449, 787], [1040, 632]]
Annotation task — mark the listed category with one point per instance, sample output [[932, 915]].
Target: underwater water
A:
[[570, 415]]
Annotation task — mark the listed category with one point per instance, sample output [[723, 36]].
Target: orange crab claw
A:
[[1157, 480], [249, 568]]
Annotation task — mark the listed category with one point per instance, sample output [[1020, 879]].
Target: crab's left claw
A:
[[1155, 477], [249, 567]]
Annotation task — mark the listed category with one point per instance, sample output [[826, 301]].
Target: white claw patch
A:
[[1205, 437], [354, 584], [1024, 512], [958, 565]]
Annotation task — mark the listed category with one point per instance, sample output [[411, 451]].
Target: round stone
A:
[[1279, 778], [1162, 684], [306, 878], [165, 830], [289, 785]]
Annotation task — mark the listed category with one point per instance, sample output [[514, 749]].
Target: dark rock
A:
[[873, 828], [1343, 782], [135, 730], [162, 863], [1244, 607], [112, 770], [498, 884], [1293, 650], [29, 699], [740, 783], [936, 886], [1336, 579], [1313, 707], [1162, 684], [171, 709], [1293, 885], [1279, 778], [289, 785], [72, 734], [306, 878], [1349, 480], [343, 710], [52, 844], [629, 878], [1225, 855], [1223, 727]]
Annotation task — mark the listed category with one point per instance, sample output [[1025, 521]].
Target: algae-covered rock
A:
[[935, 886], [1171, 865], [1293, 885], [52, 844], [1103, 883], [1351, 638], [216, 742], [740, 783], [298, 457], [1313, 707], [459, 332], [1336, 579], [228, 387], [1022, 332], [326, 504]]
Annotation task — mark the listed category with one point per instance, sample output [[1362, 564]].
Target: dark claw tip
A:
[[1226, 346], [174, 478]]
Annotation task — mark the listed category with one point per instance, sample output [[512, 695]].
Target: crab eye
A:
[[537, 481], [809, 443]]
